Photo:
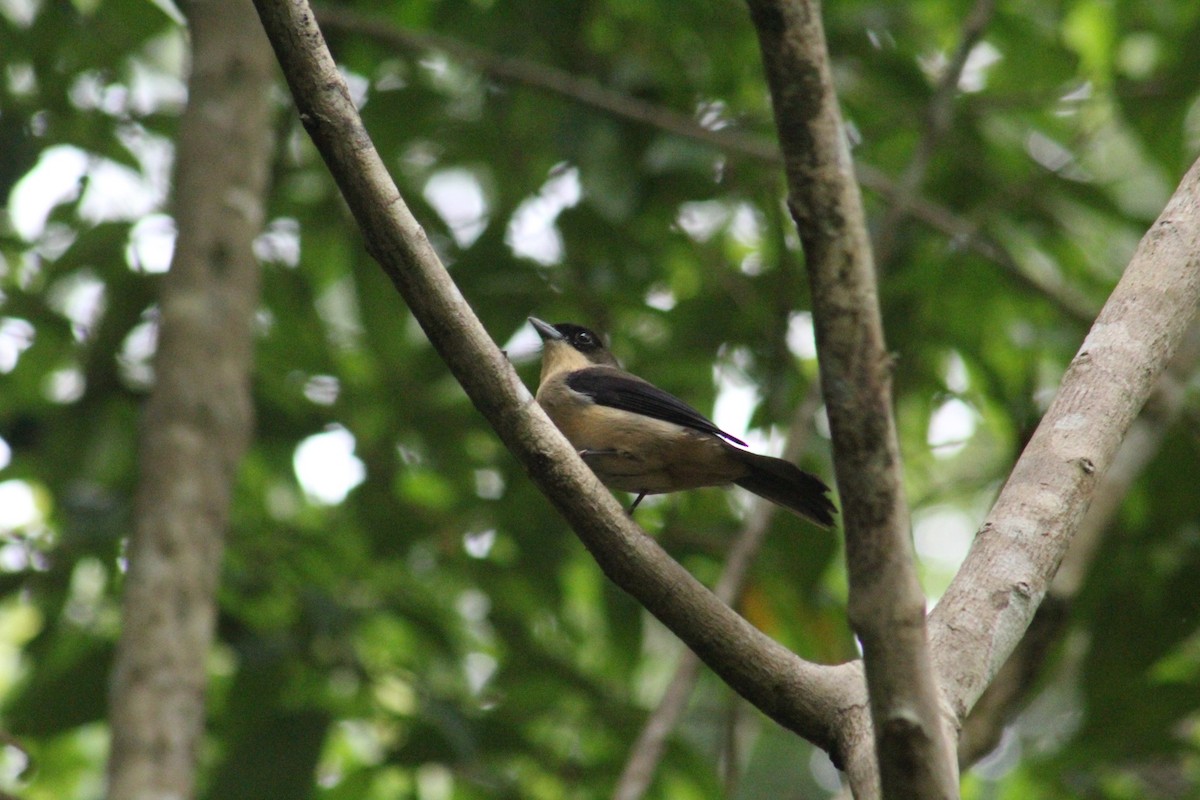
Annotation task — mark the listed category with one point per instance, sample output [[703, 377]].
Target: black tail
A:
[[787, 485]]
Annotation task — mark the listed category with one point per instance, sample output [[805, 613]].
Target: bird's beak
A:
[[545, 330]]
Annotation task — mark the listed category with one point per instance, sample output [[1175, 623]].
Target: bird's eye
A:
[[585, 339]]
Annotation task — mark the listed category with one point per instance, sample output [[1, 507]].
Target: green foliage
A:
[[438, 633]]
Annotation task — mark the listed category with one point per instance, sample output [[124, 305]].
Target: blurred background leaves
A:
[[401, 614]]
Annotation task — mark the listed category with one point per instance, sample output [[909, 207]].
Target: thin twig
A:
[[936, 121], [967, 235], [584, 91], [961, 232]]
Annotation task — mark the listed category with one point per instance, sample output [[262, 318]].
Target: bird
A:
[[641, 439]]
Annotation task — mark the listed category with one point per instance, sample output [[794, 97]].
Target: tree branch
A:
[[799, 695], [648, 748], [1007, 693], [887, 605], [1016, 553], [198, 419]]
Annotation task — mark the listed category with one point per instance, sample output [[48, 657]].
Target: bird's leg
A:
[[635, 503]]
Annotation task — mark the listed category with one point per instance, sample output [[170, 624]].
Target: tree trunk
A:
[[198, 419]]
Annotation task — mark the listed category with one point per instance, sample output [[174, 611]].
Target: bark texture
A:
[[990, 603], [1014, 684], [796, 693], [887, 605], [1017, 551], [198, 419]]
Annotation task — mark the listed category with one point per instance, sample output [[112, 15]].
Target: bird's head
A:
[[569, 347]]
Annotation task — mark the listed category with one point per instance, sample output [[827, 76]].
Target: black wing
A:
[[617, 389]]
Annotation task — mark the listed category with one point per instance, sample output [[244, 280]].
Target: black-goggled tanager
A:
[[638, 438]]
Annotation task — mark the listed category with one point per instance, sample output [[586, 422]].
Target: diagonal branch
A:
[[1016, 553], [648, 748], [1014, 682], [887, 605], [798, 694]]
